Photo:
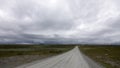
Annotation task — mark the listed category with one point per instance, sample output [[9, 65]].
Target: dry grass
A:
[[108, 56]]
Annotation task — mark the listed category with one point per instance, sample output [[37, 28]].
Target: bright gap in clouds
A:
[[60, 21]]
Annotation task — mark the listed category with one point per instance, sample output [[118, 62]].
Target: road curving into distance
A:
[[71, 59]]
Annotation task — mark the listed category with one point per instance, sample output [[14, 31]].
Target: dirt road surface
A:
[[71, 59]]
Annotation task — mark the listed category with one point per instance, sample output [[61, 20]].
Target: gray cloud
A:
[[61, 21]]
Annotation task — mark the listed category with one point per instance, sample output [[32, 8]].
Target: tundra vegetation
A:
[[12, 55], [106, 55]]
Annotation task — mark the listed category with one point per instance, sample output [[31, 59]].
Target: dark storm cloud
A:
[[63, 21]]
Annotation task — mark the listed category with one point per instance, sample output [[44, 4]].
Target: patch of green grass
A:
[[14, 50], [108, 56]]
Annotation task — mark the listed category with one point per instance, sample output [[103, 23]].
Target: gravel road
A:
[[71, 59]]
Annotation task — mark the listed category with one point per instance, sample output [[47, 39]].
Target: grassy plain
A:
[[12, 55], [106, 55], [17, 49]]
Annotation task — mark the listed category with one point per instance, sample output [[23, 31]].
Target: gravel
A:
[[13, 61]]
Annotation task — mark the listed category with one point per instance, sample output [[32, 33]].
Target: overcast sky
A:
[[88, 21]]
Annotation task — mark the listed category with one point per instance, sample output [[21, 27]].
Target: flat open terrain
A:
[[16, 49], [15, 55], [108, 56], [71, 59]]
